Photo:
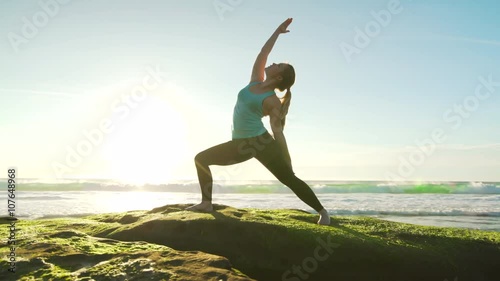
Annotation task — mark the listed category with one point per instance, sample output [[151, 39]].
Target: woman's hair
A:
[[287, 82]]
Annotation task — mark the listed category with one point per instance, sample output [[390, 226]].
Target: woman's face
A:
[[274, 70]]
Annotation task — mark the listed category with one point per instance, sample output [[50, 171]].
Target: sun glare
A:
[[148, 144]]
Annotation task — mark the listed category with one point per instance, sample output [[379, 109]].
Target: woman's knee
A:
[[199, 159]]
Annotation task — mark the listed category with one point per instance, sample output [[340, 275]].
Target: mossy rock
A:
[[169, 243]]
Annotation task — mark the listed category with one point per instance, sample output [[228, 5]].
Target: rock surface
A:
[[169, 243]]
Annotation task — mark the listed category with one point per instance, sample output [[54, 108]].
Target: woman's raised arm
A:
[[260, 62]]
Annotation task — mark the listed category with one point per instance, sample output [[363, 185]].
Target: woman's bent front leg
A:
[[223, 154]]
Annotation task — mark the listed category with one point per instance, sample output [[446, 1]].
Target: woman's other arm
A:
[[273, 106]]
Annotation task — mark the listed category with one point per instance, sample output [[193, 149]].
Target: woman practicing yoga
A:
[[249, 136]]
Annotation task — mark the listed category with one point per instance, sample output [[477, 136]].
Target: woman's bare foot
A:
[[324, 217], [204, 206]]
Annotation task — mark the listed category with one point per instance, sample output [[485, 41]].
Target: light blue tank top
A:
[[247, 114]]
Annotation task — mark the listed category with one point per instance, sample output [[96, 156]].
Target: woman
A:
[[249, 136]]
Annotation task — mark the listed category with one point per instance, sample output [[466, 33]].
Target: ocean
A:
[[472, 205]]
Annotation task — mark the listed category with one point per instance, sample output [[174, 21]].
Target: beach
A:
[[259, 230]]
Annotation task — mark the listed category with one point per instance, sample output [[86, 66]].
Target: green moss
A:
[[62, 249], [262, 244]]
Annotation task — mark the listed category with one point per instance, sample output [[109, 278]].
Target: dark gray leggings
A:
[[266, 150]]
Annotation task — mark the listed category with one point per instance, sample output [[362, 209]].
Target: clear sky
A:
[[374, 79]]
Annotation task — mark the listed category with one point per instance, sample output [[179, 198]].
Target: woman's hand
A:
[[283, 27]]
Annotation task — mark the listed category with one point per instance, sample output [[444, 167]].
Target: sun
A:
[[148, 145]]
